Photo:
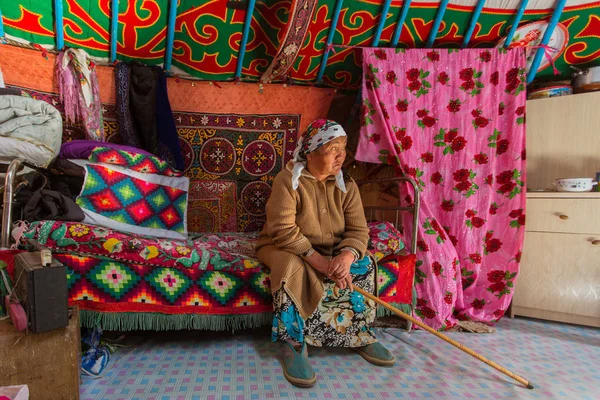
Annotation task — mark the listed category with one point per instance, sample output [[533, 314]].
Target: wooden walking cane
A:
[[454, 343]]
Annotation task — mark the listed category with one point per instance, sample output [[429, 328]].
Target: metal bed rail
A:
[[370, 212], [414, 208], [9, 190]]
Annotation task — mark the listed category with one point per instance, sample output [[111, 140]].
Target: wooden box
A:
[[48, 363], [43, 292]]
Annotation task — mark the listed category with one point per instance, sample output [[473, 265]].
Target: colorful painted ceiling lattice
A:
[[208, 33]]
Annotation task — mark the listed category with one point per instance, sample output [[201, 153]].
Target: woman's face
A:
[[329, 158]]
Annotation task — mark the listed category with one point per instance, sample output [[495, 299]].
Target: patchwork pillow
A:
[[133, 160], [129, 201], [384, 239]]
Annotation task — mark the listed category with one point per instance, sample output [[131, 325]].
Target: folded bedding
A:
[[30, 129]]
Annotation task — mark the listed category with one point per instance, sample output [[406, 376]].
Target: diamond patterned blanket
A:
[[135, 202], [211, 274], [134, 161]]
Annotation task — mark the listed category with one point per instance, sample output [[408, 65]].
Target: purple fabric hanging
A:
[[79, 92]]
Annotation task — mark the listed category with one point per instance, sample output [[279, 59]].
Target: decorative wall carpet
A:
[[246, 150], [560, 360]]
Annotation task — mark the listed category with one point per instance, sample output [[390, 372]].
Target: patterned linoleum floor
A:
[[562, 361]]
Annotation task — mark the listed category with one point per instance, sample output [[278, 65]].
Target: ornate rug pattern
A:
[[243, 153]]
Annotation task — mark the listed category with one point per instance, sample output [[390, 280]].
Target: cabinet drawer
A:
[[563, 215], [560, 273]]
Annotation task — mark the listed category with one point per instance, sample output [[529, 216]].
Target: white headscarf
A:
[[317, 134]]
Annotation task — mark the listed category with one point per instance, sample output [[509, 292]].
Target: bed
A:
[[122, 281]]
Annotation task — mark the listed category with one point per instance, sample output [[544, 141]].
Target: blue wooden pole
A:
[[400, 23], [473, 23], [170, 33], [517, 21], [245, 33], [381, 24], [332, 28], [1, 25], [58, 22], [114, 24], [436, 23], [537, 59]]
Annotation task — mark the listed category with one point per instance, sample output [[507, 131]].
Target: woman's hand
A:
[[339, 269], [318, 262], [344, 283]]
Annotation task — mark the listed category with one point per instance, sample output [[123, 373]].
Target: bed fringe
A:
[[383, 312], [131, 321]]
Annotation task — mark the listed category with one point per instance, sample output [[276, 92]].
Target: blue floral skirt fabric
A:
[[343, 318]]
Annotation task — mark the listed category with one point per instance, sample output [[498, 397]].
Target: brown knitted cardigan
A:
[[317, 215]]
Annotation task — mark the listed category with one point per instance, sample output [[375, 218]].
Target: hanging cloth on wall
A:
[[301, 13], [168, 138], [454, 121], [144, 112], [126, 130], [78, 86], [142, 105]]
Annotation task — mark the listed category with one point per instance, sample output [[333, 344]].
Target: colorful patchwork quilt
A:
[[134, 161], [213, 274], [130, 201]]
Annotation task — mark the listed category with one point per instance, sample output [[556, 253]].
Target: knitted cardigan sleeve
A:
[[356, 234], [281, 218]]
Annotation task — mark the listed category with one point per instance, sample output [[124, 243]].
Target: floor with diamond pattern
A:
[[560, 360]]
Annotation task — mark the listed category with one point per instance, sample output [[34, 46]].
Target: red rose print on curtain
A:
[[455, 122]]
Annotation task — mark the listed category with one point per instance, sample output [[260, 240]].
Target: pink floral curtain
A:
[[454, 120]]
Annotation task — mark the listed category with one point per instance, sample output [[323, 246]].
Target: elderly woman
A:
[[315, 243]]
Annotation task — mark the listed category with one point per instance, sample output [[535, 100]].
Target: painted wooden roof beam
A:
[[537, 59], [473, 23], [245, 33], [59, 25], [1, 25], [381, 24], [332, 28], [400, 23], [170, 34], [436, 23], [114, 24], [517, 21]]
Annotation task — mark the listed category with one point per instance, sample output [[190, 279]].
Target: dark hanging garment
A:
[[142, 105], [168, 139], [126, 130]]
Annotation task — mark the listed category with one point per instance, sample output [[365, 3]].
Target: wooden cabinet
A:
[[563, 139], [559, 277], [560, 268]]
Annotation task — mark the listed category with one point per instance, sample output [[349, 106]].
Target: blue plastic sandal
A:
[[296, 368], [376, 354]]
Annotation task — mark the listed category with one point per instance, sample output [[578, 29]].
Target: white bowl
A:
[[575, 184]]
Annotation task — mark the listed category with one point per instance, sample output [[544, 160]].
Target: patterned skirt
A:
[[342, 318]]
